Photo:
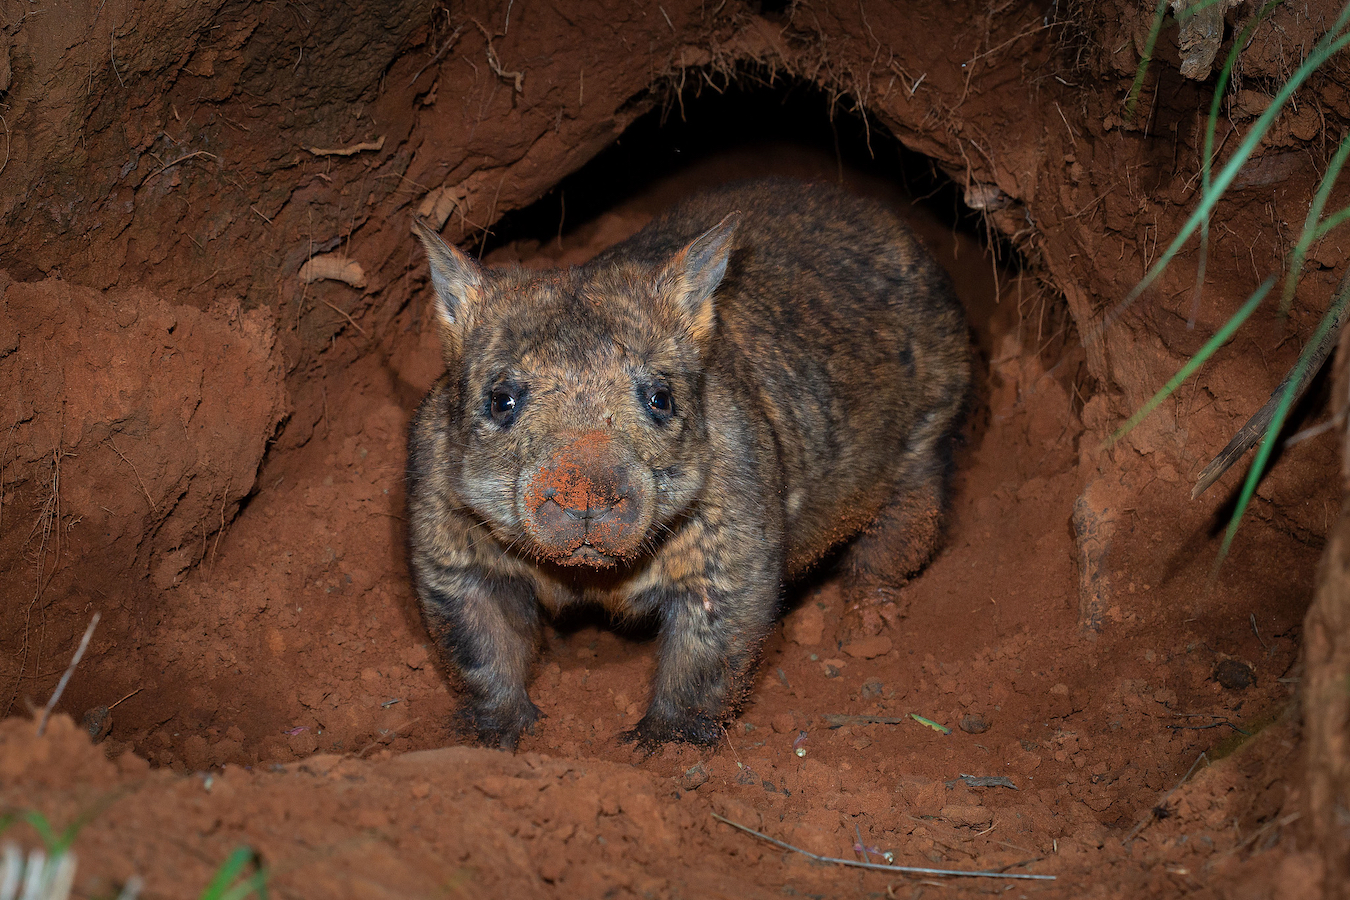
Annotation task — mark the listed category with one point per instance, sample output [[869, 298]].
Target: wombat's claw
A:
[[640, 743], [497, 728], [651, 733]]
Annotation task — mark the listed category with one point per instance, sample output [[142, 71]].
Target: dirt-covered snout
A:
[[587, 503]]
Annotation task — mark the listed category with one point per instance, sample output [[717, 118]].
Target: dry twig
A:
[[344, 315], [70, 670], [184, 158], [1251, 433], [908, 870], [835, 720]]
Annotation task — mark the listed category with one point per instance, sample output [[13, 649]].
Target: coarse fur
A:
[[676, 429]]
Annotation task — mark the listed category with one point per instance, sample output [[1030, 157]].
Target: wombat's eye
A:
[[659, 403], [502, 404]]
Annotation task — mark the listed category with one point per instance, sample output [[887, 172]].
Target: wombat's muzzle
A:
[[584, 505]]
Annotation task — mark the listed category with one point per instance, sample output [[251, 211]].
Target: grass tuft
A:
[[1266, 423]]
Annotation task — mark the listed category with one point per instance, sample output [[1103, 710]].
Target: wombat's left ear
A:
[[695, 272], [457, 279]]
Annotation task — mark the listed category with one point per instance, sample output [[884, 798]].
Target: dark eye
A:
[[502, 404], [659, 402]]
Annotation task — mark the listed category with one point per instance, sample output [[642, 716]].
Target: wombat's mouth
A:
[[586, 555]]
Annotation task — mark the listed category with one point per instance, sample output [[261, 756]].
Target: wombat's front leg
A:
[[708, 646], [488, 627]]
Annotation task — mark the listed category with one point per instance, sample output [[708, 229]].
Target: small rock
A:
[[695, 777], [968, 816], [98, 722], [783, 723], [868, 647], [929, 799], [974, 723], [806, 626], [1250, 103], [872, 687], [372, 818], [303, 743], [196, 753], [1234, 674], [747, 775]]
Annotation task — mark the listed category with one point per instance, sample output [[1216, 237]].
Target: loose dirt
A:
[[245, 542]]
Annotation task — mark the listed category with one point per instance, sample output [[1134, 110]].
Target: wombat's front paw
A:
[[653, 731], [498, 727]]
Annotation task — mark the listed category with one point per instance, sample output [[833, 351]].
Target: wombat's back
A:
[[837, 330]]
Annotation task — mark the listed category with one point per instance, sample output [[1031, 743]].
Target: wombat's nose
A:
[[595, 494], [581, 507]]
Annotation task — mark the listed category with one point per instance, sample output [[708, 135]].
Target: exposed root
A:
[[375, 145], [47, 530], [121, 456], [517, 79]]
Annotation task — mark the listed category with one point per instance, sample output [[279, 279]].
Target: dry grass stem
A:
[[881, 867], [184, 158], [70, 670]]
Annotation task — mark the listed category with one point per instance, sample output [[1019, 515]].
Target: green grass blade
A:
[[1158, 16], [1330, 43], [1214, 343], [1312, 229], [1331, 222], [1267, 444], [1200, 265], [1207, 158], [254, 884], [227, 874], [38, 822]]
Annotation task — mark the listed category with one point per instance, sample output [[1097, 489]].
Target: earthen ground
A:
[[210, 454]]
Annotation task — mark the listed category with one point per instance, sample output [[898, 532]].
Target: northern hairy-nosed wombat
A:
[[674, 429]]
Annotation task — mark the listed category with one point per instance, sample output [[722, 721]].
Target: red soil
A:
[[1070, 632]]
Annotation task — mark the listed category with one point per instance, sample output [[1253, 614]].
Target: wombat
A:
[[675, 429]]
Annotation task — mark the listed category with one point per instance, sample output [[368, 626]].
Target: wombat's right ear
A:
[[695, 272], [457, 279]]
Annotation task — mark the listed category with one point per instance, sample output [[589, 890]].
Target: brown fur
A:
[[675, 429]]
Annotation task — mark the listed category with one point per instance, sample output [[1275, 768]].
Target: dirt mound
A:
[[464, 819], [133, 430]]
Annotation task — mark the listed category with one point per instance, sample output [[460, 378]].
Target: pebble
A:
[[1234, 674], [695, 777], [974, 723]]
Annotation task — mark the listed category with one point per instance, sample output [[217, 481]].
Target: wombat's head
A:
[[577, 395]]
